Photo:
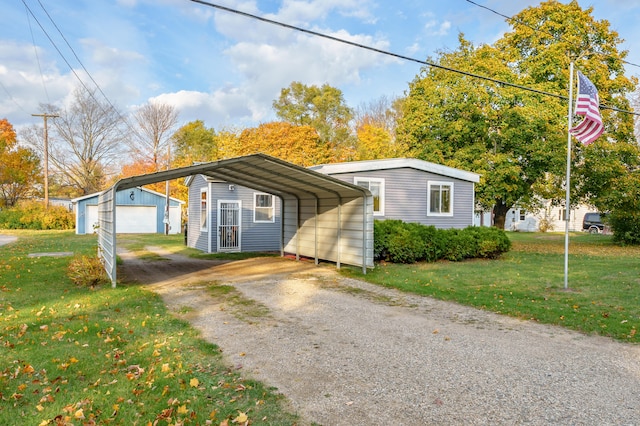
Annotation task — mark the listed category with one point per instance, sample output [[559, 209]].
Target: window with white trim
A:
[[439, 198], [204, 211], [264, 208], [376, 187]]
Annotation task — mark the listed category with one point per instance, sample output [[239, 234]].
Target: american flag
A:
[[587, 104]]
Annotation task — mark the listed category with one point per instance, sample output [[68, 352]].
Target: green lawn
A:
[[75, 355], [603, 295], [108, 356]]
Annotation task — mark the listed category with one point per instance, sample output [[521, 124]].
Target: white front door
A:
[[229, 214]]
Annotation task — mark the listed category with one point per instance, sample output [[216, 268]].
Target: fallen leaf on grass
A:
[[242, 418]]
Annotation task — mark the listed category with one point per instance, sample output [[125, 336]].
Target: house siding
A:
[[254, 236], [405, 196]]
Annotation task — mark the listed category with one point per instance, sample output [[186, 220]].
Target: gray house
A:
[[226, 217], [140, 211], [412, 190]]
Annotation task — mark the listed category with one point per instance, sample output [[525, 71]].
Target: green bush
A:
[[382, 231], [405, 246], [400, 242], [34, 215], [461, 244], [87, 271], [626, 227]]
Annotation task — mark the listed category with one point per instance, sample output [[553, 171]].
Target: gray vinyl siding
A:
[[195, 237], [254, 236], [405, 196]]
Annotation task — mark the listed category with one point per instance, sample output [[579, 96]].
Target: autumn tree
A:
[[19, 167], [375, 124], [297, 144], [85, 142], [516, 139], [155, 122], [322, 108]]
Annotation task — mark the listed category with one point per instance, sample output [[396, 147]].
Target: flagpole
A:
[[567, 204]]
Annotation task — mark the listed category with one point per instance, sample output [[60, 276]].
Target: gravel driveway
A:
[[345, 352]]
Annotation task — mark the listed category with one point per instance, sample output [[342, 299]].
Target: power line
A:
[[77, 58], [12, 98], [512, 19], [395, 55], [35, 51], [89, 92]]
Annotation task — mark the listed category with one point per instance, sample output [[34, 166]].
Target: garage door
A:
[[129, 219]]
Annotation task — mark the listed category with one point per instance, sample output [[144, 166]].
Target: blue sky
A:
[[226, 69]]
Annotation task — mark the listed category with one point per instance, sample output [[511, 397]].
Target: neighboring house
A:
[[139, 211], [552, 218], [63, 202], [225, 217], [412, 190]]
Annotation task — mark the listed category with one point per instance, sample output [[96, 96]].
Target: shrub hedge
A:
[[400, 242], [34, 215], [626, 227]]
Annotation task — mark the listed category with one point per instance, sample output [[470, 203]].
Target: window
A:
[[562, 214], [376, 187], [263, 208], [440, 199], [203, 209], [523, 215]]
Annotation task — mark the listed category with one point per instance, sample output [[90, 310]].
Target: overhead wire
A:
[[395, 55], [12, 98], [77, 58], [35, 52], [82, 83]]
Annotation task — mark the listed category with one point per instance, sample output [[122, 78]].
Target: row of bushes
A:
[[400, 242], [34, 215]]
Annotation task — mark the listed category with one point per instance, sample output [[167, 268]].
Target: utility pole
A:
[[46, 155]]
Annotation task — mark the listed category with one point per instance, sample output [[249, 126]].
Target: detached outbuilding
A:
[[412, 190], [139, 210]]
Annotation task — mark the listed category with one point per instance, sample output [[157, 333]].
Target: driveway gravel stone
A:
[[345, 352]]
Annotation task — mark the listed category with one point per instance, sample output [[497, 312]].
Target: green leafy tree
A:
[[20, 169], [515, 138], [322, 108], [193, 143], [508, 136]]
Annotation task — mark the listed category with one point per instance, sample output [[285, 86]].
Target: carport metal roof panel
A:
[[259, 171]]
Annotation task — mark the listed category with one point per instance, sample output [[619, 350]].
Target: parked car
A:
[[592, 223]]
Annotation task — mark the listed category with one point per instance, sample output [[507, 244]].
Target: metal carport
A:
[[322, 217]]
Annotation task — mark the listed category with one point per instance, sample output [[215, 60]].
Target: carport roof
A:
[[261, 172]]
